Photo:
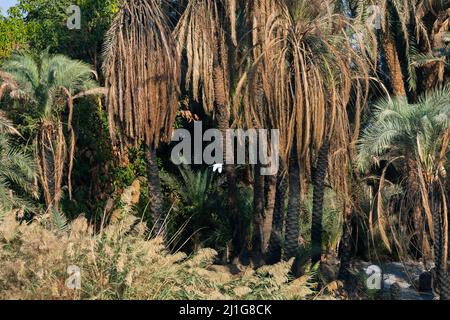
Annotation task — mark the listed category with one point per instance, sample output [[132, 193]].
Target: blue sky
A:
[[5, 4]]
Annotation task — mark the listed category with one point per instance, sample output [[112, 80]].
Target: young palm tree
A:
[[48, 86], [416, 137], [142, 74], [198, 192], [17, 171]]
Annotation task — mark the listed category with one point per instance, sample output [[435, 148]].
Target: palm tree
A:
[[308, 66], [197, 191], [416, 137], [142, 74], [17, 171], [317, 211], [254, 17], [434, 65], [416, 25], [203, 38], [48, 85]]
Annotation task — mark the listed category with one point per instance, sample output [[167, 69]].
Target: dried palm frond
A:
[[414, 21], [142, 74], [416, 137], [7, 83], [201, 37], [308, 68], [6, 126]]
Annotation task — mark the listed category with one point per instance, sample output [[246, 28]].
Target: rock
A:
[[425, 282], [395, 291]]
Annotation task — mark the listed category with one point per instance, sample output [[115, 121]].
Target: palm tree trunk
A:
[[434, 73], [258, 190], [345, 247], [293, 212], [276, 236], [442, 274], [318, 196], [48, 177], [258, 215], [223, 124], [154, 189], [50, 153], [393, 62], [270, 189]]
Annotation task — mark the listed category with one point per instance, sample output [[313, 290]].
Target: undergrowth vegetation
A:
[[94, 124], [120, 262]]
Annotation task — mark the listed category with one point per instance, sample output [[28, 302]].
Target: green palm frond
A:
[[194, 187], [422, 59], [74, 75], [411, 52], [406, 129], [40, 80], [59, 220], [17, 175], [49, 84], [25, 70], [6, 126]]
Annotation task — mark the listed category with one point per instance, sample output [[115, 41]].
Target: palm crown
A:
[[398, 129], [45, 81]]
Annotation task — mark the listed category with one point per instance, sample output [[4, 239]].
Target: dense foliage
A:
[[361, 103]]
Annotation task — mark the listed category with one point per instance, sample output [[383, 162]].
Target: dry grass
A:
[[120, 263]]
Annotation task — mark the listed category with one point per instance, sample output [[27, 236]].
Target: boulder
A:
[[425, 282]]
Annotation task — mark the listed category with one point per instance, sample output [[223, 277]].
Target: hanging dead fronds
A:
[[415, 138], [142, 74], [310, 69], [201, 38], [51, 153]]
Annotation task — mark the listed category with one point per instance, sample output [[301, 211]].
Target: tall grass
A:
[[120, 262]]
